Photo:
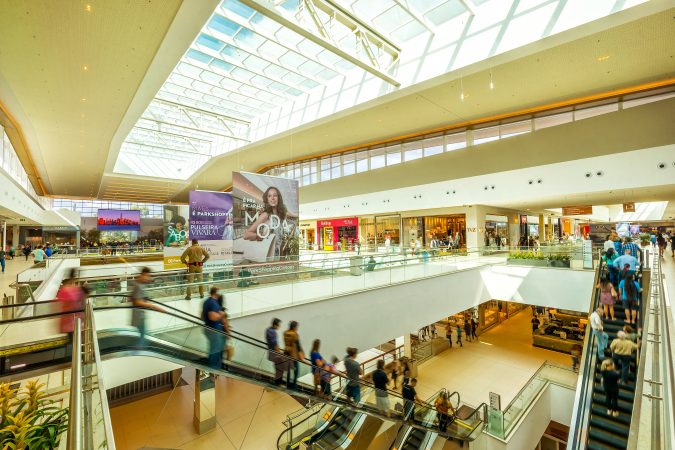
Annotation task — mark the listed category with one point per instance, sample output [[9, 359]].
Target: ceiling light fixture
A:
[[461, 87], [87, 7], [83, 99], [492, 85], [603, 58], [85, 68]]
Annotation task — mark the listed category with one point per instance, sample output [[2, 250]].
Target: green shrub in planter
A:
[[29, 421]]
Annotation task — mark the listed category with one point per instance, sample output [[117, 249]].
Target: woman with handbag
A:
[[317, 364], [293, 349]]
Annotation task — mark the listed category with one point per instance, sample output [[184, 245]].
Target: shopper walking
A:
[[141, 301], [535, 323], [598, 331], [610, 383], [194, 257], [354, 372], [317, 362], [448, 333], [459, 335], [293, 350], [38, 255], [474, 328], [380, 380], [396, 368], [623, 349], [607, 297], [274, 352], [214, 321], [467, 330], [661, 243], [2, 259], [629, 290], [575, 352]]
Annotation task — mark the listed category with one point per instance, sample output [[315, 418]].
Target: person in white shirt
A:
[[609, 243], [598, 331]]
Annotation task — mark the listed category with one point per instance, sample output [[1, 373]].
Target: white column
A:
[[4, 235]]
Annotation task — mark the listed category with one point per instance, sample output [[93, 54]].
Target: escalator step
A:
[[600, 400], [601, 411], [597, 445], [625, 395], [607, 438], [610, 425]]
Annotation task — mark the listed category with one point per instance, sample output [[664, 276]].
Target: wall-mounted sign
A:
[[628, 207], [338, 223], [577, 210], [495, 401]]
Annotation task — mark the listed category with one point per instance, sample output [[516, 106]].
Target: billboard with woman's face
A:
[[176, 234], [266, 218]]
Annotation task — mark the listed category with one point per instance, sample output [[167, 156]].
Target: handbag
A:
[[229, 352]]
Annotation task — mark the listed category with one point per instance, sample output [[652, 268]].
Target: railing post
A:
[[75, 404]]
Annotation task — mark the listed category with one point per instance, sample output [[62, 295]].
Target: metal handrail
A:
[[75, 402], [582, 398]]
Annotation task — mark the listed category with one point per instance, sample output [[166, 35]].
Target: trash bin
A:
[[356, 265]]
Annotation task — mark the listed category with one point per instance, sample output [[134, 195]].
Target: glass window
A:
[[377, 158], [455, 141], [515, 128], [482, 135], [325, 169], [412, 150], [362, 161], [336, 171], [393, 154], [433, 146], [553, 120], [585, 113], [349, 164]]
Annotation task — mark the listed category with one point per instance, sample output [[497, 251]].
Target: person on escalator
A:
[[274, 352], [215, 320], [70, 298], [293, 349], [380, 380], [409, 398], [597, 327], [327, 372], [444, 410], [610, 383], [629, 291], [354, 372], [141, 300], [623, 349], [317, 363]]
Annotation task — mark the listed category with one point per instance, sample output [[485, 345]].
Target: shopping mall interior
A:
[[337, 224]]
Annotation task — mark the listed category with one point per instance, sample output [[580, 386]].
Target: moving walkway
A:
[[182, 339]]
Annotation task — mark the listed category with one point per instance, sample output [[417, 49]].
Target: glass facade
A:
[[89, 208]]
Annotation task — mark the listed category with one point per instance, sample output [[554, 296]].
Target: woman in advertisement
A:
[[270, 221], [177, 236]]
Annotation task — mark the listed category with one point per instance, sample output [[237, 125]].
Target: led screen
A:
[[118, 220]]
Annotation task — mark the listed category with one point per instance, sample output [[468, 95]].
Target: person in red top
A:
[[70, 297]]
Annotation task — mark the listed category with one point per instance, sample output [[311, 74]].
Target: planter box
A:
[[565, 264], [527, 262]]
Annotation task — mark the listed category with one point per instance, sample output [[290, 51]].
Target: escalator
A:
[[179, 338], [592, 427]]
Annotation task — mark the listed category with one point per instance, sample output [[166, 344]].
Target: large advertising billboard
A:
[[176, 234], [266, 217], [212, 225], [118, 220]]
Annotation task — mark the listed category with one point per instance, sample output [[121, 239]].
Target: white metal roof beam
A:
[[199, 130], [267, 8], [201, 111], [468, 4], [415, 15]]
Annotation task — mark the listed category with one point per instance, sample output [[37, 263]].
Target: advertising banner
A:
[[211, 224], [176, 234], [266, 218], [118, 220]]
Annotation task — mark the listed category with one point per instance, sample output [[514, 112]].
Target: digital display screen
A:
[[119, 220]]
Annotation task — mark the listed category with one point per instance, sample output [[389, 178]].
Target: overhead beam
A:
[[197, 129], [415, 15], [199, 110], [267, 8]]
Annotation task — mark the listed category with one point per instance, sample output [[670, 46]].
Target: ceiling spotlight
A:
[[588, 174], [530, 182], [85, 68], [539, 181], [492, 85], [599, 173], [661, 165], [87, 7]]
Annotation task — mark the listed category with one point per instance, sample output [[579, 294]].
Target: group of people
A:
[[467, 327], [621, 284], [661, 241]]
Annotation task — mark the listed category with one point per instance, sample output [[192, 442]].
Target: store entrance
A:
[[327, 238], [346, 238]]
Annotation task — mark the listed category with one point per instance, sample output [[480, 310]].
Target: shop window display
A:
[[559, 330]]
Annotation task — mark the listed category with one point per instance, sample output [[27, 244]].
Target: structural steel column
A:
[[205, 402]]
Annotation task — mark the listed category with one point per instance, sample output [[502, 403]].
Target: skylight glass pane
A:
[[423, 6], [243, 73], [292, 59], [256, 64], [276, 71], [293, 78], [257, 80], [445, 12], [264, 23], [210, 77], [293, 91], [238, 8], [288, 37], [198, 56], [327, 74], [308, 47], [367, 9], [310, 84], [223, 25], [249, 38], [276, 86], [272, 50], [391, 19], [222, 65], [408, 31], [210, 42]]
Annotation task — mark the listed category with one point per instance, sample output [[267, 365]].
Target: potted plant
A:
[[523, 258], [28, 420], [645, 239], [559, 260]]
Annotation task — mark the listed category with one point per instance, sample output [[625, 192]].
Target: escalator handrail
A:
[[254, 342], [584, 392], [295, 425]]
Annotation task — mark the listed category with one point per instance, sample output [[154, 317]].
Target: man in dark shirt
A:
[[274, 352], [354, 373], [380, 380], [610, 382], [213, 315], [409, 398]]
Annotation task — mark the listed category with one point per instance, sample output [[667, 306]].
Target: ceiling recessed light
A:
[[87, 7], [83, 99], [603, 58], [85, 68]]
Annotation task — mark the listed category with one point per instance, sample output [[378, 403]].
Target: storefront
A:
[[60, 236], [308, 235], [559, 330], [496, 231], [442, 228], [388, 233], [338, 234]]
